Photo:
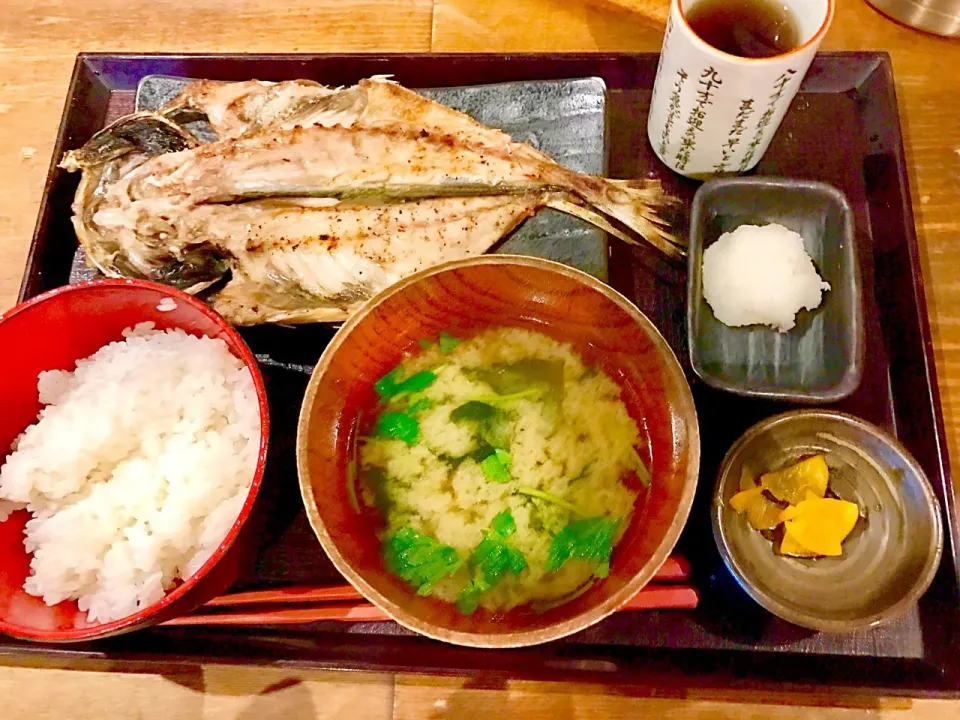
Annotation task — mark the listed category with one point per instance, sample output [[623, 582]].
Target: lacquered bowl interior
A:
[[463, 298], [53, 331]]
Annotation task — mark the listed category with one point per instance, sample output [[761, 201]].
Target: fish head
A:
[[142, 134], [121, 239], [140, 244]]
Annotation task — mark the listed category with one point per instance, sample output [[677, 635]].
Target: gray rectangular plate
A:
[[563, 118], [821, 359]]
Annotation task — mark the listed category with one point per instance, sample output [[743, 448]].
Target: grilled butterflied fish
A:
[[312, 199]]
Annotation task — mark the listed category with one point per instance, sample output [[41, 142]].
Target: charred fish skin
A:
[[328, 261], [314, 198], [144, 133], [379, 104], [386, 162]]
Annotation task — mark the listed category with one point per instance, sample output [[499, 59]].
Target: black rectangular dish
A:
[[843, 129]]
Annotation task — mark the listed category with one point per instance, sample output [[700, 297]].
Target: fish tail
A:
[[633, 204], [566, 204]]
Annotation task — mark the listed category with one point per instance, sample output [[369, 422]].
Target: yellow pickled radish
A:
[[761, 512], [790, 512], [819, 524], [791, 484], [742, 500], [790, 546]]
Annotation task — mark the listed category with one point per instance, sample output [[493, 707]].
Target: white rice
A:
[[135, 471], [760, 275]]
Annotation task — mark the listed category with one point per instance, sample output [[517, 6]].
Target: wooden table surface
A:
[[38, 42]]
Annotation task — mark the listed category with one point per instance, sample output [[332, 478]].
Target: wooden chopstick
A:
[[306, 604], [360, 612], [663, 597], [675, 569], [294, 595], [652, 597]]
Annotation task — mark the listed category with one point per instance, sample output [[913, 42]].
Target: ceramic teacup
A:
[[714, 113]]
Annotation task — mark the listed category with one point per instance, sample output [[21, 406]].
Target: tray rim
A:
[[923, 317], [881, 62]]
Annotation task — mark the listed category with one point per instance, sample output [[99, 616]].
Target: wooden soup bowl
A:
[[465, 297]]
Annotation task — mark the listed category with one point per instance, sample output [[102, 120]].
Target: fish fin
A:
[[635, 203], [241, 109], [341, 109], [200, 93], [390, 105], [243, 301], [650, 231], [247, 108]]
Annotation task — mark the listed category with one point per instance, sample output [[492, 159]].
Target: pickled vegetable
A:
[[819, 524], [743, 499], [791, 484], [814, 525], [762, 513], [790, 546]]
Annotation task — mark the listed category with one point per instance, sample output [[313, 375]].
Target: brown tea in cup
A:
[[745, 28]]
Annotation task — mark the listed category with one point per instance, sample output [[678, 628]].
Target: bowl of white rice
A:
[[132, 446]]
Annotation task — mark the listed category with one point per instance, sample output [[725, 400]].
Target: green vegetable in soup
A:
[[420, 405], [352, 486], [529, 379], [512, 378], [399, 426], [490, 561], [640, 468], [496, 433], [418, 382], [419, 559], [481, 453], [549, 497], [376, 481], [425, 344], [493, 427], [391, 384], [496, 466], [504, 524], [386, 385], [473, 411], [447, 342], [590, 539], [505, 401]]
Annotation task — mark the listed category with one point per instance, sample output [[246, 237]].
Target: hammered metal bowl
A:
[[889, 559]]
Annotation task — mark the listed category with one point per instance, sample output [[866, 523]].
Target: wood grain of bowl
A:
[[465, 297]]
